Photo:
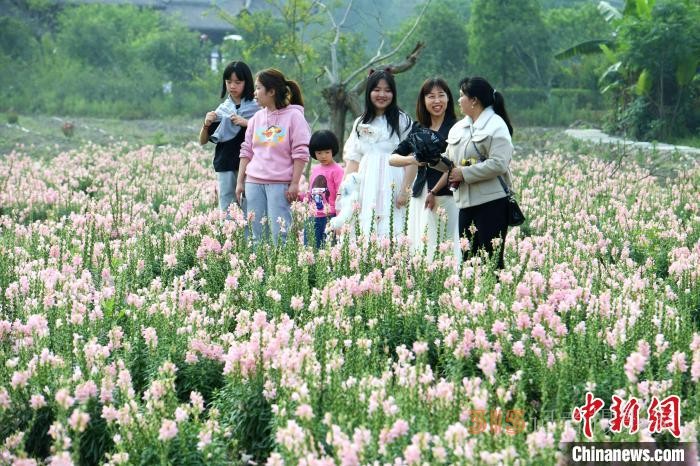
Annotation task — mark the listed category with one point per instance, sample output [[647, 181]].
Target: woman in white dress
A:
[[434, 110], [384, 190]]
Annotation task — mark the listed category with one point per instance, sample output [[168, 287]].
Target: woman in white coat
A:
[[481, 148]]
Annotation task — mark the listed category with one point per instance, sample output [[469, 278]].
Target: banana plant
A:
[[638, 9], [626, 71]]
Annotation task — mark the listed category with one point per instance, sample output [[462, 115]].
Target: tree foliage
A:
[[443, 30], [663, 75], [582, 26], [509, 43], [105, 60], [653, 57]]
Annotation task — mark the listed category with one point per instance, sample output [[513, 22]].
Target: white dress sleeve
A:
[[351, 150], [405, 124]]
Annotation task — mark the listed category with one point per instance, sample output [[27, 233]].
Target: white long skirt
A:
[[379, 189], [426, 227]]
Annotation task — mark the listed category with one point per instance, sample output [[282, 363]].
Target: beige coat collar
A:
[[480, 122]]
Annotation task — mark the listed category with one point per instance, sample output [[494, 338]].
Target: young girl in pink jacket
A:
[[273, 154]]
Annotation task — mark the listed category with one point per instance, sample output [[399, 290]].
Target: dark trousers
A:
[[320, 229], [491, 221]]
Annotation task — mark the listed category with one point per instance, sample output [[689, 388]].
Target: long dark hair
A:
[[487, 95], [242, 72], [286, 91], [422, 113], [393, 111]]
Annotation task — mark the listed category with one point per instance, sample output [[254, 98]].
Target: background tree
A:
[[340, 94], [509, 44], [443, 30], [654, 55], [567, 27], [110, 60], [664, 73]]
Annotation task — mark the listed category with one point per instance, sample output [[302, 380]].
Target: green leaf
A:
[[644, 8], [609, 53], [643, 83], [630, 8], [686, 71], [588, 47], [609, 12], [608, 87], [611, 73]]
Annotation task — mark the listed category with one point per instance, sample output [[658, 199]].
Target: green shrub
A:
[[108, 61], [554, 107], [248, 414]]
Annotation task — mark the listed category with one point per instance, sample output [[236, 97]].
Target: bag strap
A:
[[500, 178]]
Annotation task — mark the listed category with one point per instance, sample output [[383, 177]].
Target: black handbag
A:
[[515, 214]]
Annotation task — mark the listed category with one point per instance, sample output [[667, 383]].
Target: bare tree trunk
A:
[[336, 98], [338, 94], [340, 100]]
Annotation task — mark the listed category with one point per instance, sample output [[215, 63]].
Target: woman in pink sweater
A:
[[273, 154]]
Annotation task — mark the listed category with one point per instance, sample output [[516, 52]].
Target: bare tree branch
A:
[[406, 64], [334, 73], [379, 58], [329, 74]]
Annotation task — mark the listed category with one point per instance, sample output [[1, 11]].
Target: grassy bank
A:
[[46, 137]]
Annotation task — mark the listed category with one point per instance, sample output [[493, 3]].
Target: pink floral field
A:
[[137, 326]]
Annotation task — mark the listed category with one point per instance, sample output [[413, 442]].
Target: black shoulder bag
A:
[[515, 214]]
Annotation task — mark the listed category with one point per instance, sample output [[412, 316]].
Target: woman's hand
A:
[[292, 192], [430, 201], [417, 163], [455, 176], [402, 199], [239, 120], [209, 118], [398, 160], [240, 190]]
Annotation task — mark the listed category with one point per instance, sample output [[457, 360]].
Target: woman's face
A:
[[381, 96], [436, 101], [263, 97], [466, 104], [235, 86]]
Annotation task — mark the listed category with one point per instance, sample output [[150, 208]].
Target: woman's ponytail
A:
[[286, 91], [295, 97], [499, 106]]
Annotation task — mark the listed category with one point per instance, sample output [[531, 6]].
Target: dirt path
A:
[[597, 136]]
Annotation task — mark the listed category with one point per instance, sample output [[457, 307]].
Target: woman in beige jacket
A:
[[480, 147]]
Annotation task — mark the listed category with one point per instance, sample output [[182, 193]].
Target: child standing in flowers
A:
[[273, 154], [226, 125], [325, 180], [384, 190]]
